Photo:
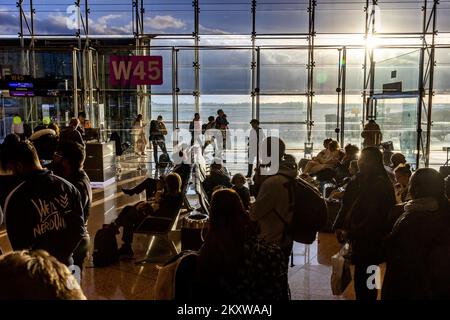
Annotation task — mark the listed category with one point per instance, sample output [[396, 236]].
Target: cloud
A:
[[206, 30], [163, 23], [110, 24], [9, 23]]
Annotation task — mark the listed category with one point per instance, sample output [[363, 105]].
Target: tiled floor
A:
[[308, 279]]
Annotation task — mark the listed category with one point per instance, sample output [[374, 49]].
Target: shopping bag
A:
[[341, 275]]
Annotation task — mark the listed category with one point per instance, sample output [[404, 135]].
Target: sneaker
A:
[[125, 250], [127, 191]]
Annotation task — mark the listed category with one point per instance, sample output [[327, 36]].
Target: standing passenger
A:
[[363, 218], [157, 132]]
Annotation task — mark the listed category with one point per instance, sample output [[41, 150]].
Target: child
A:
[[238, 182]]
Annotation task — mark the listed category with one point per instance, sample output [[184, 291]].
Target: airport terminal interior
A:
[[212, 126]]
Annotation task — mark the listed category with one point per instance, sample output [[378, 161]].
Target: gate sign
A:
[[135, 70]]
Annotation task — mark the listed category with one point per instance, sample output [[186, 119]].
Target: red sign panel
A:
[[135, 70]]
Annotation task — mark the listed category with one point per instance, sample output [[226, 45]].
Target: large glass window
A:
[[283, 71], [285, 115], [282, 17], [222, 17], [340, 16], [225, 71], [396, 66], [9, 19], [168, 17]]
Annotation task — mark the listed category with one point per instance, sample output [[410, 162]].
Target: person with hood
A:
[[418, 247], [272, 207]]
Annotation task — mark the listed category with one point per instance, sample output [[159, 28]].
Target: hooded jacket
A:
[[45, 212], [273, 198], [411, 246]]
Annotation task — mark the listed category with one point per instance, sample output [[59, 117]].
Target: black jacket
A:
[[213, 180], [71, 135], [410, 247], [45, 212], [82, 182], [364, 214]]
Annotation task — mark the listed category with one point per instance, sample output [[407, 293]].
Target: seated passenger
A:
[[331, 159], [402, 174], [337, 194], [217, 177], [150, 185], [233, 264], [238, 182], [36, 275], [396, 160], [343, 168], [418, 245], [324, 154], [166, 204]]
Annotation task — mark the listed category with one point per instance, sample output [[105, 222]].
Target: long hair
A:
[[36, 275], [228, 228]]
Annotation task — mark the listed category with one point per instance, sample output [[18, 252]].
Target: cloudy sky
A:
[[113, 17], [221, 22]]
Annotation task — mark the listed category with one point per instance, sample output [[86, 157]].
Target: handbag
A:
[[341, 275]]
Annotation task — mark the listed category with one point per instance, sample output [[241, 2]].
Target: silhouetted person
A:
[[371, 134], [255, 140], [157, 132], [166, 204], [71, 133], [44, 211], [418, 247], [363, 218], [252, 270]]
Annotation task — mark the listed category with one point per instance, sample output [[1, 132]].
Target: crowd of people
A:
[[388, 214]]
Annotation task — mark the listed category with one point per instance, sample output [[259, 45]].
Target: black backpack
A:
[[309, 211], [105, 247], [164, 160]]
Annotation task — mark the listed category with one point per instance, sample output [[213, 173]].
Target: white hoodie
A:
[[274, 196]]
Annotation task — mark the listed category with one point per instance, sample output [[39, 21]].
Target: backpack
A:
[[309, 211], [164, 160], [175, 279], [105, 247]]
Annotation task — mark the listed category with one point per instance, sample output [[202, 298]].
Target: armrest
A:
[[152, 224]]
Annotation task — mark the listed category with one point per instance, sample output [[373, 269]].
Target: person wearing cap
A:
[[255, 138]]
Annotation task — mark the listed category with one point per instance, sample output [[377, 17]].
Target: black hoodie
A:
[[45, 212]]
